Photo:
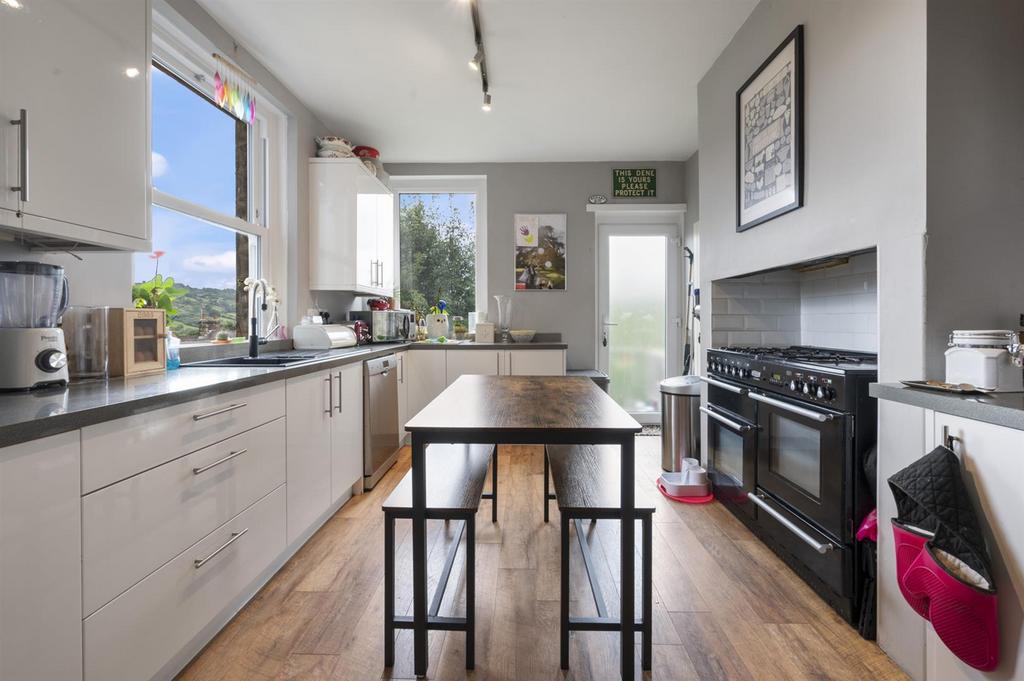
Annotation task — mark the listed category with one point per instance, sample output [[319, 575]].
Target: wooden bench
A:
[[455, 483], [586, 479]]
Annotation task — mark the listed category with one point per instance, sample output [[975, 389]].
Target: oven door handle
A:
[[789, 525], [724, 386], [738, 427], [819, 416]]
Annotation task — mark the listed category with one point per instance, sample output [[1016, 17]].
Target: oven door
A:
[[802, 456], [732, 446]]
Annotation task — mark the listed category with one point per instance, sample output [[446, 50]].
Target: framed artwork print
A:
[[540, 252], [770, 136]]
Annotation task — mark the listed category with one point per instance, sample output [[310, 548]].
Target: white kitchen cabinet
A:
[[426, 377], [80, 72], [351, 235], [474, 362], [993, 460], [40, 559], [309, 458], [347, 430], [403, 391], [535, 362]]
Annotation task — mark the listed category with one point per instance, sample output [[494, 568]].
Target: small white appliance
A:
[[323, 336], [33, 296], [987, 359]]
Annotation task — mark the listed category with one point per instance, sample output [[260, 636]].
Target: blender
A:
[[33, 296]]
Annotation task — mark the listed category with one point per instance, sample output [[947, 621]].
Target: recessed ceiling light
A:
[[486, 106], [131, 72], [13, 4]]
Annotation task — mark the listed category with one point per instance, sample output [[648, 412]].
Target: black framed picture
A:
[[770, 136]]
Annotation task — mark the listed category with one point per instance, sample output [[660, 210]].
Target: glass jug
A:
[[504, 316], [32, 295]]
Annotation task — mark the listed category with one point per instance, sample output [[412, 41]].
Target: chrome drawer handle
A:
[[740, 427], [819, 416], [788, 524], [218, 412], [203, 469], [22, 122], [723, 386], [235, 536]]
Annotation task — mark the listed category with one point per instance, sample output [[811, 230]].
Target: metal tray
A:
[[953, 388]]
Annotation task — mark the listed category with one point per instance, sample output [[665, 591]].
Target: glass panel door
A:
[[638, 336]]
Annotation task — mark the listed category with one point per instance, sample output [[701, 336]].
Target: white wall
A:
[[551, 188], [865, 187], [839, 306]]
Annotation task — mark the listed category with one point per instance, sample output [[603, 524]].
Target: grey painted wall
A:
[[975, 176], [551, 188], [865, 186]]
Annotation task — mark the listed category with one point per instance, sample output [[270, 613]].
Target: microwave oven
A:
[[387, 326]]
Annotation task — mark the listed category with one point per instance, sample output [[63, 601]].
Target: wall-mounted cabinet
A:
[[351, 228], [75, 164]]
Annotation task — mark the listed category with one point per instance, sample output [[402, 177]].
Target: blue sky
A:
[[194, 159], [446, 205]]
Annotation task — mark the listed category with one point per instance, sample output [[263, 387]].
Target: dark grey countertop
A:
[[1001, 409], [28, 416], [473, 345]]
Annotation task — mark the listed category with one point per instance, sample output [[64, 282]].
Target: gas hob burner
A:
[[806, 353]]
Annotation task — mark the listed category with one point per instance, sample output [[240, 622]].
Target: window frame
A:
[[448, 184], [178, 50]]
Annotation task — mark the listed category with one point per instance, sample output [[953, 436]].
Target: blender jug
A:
[[32, 295]]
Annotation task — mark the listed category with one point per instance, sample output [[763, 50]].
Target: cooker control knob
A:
[[794, 386], [808, 389], [821, 392], [732, 371]]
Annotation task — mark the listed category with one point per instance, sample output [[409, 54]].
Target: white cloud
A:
[[222, 262], [160, 164]]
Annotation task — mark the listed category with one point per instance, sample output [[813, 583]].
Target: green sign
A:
[[634, 183]]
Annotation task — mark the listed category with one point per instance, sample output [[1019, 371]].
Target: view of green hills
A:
[[214, 305]]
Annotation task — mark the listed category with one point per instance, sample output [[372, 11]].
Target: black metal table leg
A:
[[389, 590], [419, 553], [647, 555], [494, 486], [626, 546], [547, 485], [563, 619], [471, 592]]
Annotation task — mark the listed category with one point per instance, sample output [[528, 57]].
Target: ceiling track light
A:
[[479, 60]]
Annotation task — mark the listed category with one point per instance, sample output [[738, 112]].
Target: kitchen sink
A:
[[263, 361]]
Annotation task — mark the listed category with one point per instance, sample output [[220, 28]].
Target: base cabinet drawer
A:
[[117, 450], [138, 633], [131, 528]]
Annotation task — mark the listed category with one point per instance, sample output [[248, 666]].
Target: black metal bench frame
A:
[[435, 622], [602, 622], [493, 494]]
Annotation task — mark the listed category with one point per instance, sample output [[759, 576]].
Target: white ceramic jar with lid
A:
[[987, 359]]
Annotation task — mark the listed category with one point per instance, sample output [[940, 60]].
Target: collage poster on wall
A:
[[769, 131], [540, 252]]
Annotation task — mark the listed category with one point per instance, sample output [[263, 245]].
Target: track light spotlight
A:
[[486, 106]]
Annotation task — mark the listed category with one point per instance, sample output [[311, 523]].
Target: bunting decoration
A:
[[234, 91]]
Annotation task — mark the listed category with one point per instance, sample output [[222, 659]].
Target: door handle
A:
[[821, 548], [724, 386], [738, 427], [22, 122], [330, 396], [818, 416], [339, 392], [218, 412], [604, 338]]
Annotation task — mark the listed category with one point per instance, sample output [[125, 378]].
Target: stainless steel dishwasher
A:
[[380, 418]]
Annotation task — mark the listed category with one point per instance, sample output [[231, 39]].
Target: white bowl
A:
[[522, 335]]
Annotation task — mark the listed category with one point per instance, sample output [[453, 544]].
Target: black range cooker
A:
[[789, 430]]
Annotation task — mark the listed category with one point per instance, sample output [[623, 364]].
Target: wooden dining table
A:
[[523, 410]]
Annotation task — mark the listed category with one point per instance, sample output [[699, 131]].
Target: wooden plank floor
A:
[[725, 607]]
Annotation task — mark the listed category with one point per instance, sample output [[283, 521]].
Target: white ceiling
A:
[[572, 80]]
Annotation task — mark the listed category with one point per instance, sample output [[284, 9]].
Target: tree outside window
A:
[[437, 242]]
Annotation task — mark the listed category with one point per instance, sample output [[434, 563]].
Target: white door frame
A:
[[609, 215]]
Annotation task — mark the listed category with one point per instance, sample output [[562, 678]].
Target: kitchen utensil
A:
[[86, 332], [522, 335], [33, 296], [989, 359]]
